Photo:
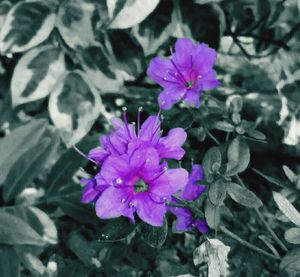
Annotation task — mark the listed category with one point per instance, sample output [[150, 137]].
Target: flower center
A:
[[189, 84], [140, 186]]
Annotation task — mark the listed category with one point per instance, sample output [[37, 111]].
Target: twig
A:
[[213, 137], [247, 244]]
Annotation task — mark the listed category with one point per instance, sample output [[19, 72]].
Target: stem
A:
[[213, 137], [261, 217], [247, 244]]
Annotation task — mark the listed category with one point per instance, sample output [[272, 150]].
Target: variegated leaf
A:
[[4, 9], [74, 22], [36, 74], [27, 24], [131, 14], [99, 70], [74, 105]]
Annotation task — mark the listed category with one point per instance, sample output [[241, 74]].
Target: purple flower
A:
[[138, 183], [185, 220], [185, 74], [116, 143]]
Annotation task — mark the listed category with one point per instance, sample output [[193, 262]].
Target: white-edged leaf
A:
[[290, 263], [238, 152], [15, 231], [36, 74], [74, 22], [292, 235], [287, 208], [9, 261], [289, 173], [26, 25], [74, 105], [215, 253], [4, 9], [133, 12], [243, 196], [99, 70]]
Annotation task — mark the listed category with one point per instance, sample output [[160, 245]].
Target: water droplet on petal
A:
[[165, 168], [199, 77], [119, 181], [123, 200]]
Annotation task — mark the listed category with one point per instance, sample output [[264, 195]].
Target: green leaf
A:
[[211, 157], [256, 134], [287, 208], [290, 174], [131, 14], [290, 263], [215, 253], [74, 106], [26, 169], [116, 229], [27, 24], [232, 168], [217, 192], [19, 141], [154, 236], [9, 262], [292, 235], [238, 152], [15, 231], [224, 126], [74, 22], [36, 74], [269, 178], [212, 214], [243, 196], [70, 161]]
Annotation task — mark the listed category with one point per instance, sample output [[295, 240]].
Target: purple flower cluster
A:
[[134, 177], [185, 74]]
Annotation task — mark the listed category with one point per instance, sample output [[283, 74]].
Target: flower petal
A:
[[90, 193], [170, 146], [193, 191], [98, 154], [201, 225], [169, 96], [157, 70], [113, 202], [149, 211], [192, 97], [150, 128], [184, 219], [172, 181], [210, 81], [184, 48]]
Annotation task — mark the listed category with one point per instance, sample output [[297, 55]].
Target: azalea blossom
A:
[[138, 183], [185, 220], [185, 74], [116, 142]]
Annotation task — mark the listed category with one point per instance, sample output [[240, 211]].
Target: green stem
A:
[[247, 244], [213, 137], [266, 224]]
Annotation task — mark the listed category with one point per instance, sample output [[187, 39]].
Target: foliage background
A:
[[67, 67]]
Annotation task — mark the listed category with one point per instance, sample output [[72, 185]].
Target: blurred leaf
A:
[[116, 229], [269, 178], [287, 208], [26, 168], [243, 196], [74, 22], [69, 162], [68, 200], [290, 263], [4, 9], [9, 262], [81, 248], [100, 70], [36, 74], [238, 152], [74, 106], [212, 214], [30, 261], [256, 134], [154, 236], [290, 174], [292, 235], [131, 14], [217, 192], [20, 140], [27, 24], [215, 254], [212, 157], [15, 231]]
